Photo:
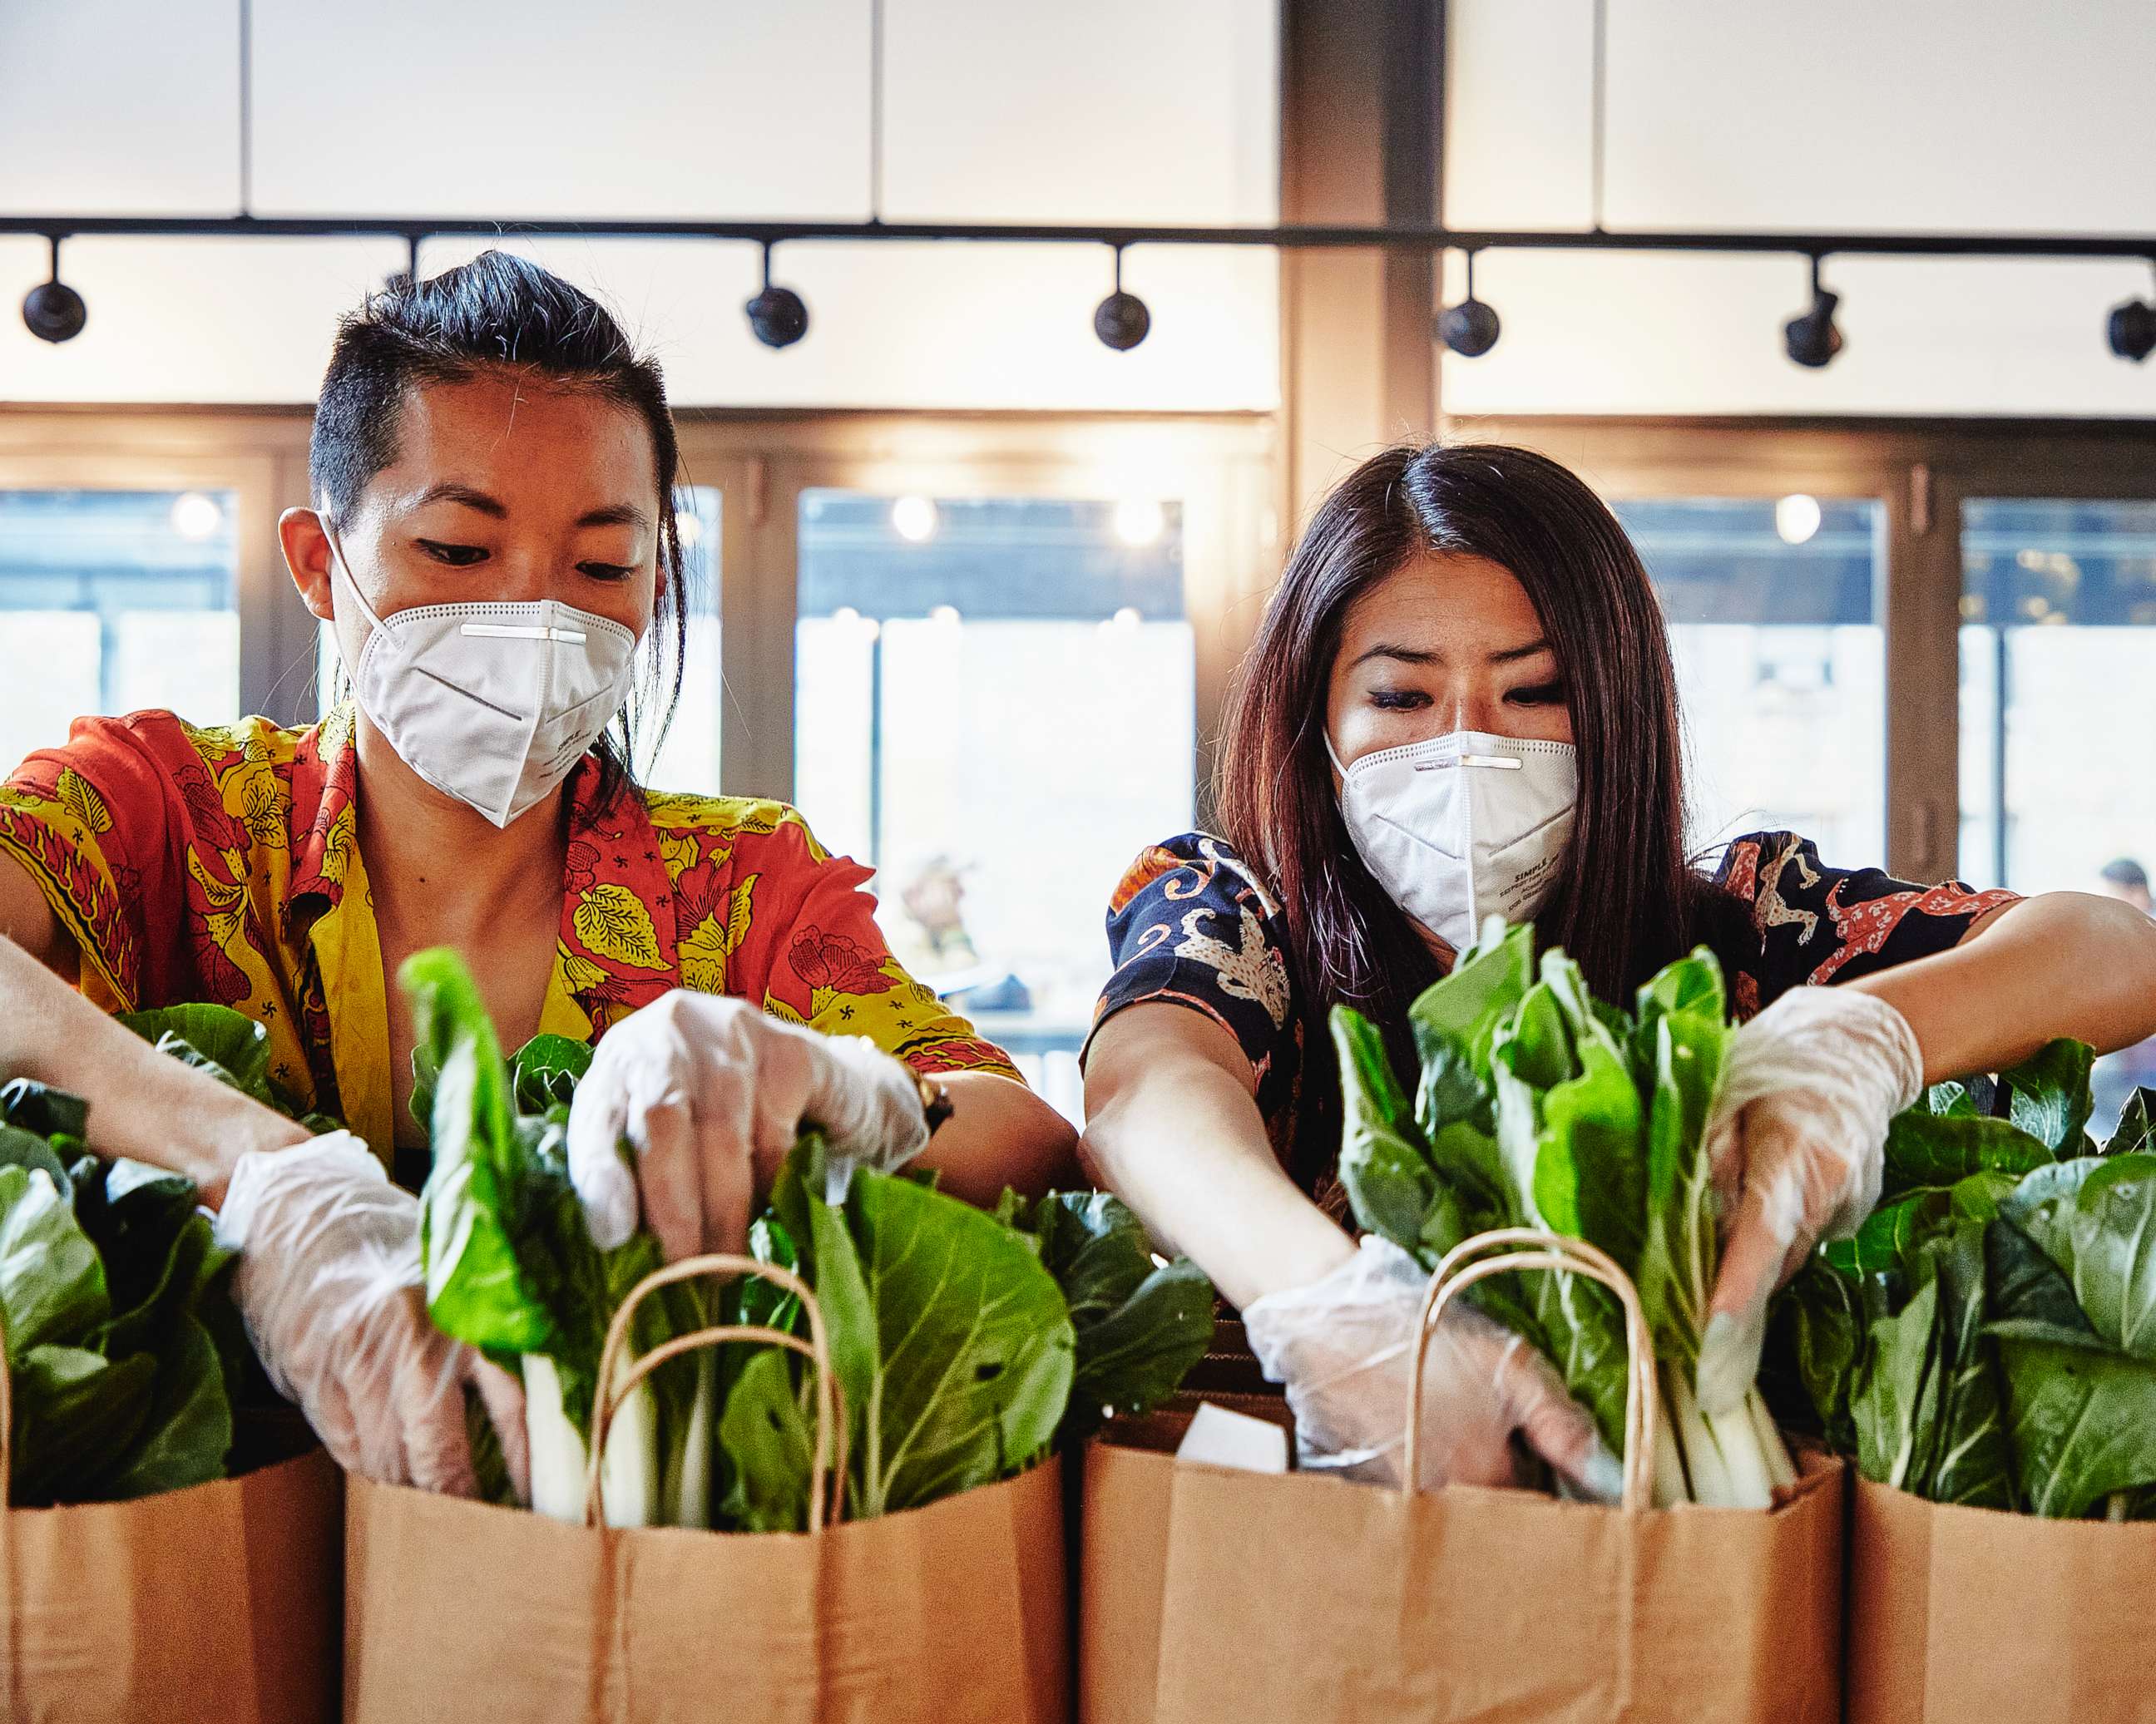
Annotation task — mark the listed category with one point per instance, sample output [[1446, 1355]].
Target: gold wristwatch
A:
[[935, 1102]]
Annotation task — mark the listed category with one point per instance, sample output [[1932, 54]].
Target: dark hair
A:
[[2128, 873], [1627, 899], [500, 312]]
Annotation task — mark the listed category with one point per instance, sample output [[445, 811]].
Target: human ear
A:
[[306, 546]]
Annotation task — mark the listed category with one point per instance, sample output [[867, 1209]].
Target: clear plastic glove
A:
[[330, 1286], [1796, 1143], [709, 1093], [1341, 1345]]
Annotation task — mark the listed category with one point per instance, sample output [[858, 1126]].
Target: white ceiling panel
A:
[[1942, 114], [656, 109], [1119, 110], [112, 107]]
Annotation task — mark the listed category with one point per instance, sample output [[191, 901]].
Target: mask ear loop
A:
[[338, 561]]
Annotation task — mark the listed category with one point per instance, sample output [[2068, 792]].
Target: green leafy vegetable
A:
[[1540, 1105]]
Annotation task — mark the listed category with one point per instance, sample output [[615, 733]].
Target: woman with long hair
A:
[[1460, 702]]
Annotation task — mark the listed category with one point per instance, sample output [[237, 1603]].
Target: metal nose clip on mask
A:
[[1462, 826], [491, 703]]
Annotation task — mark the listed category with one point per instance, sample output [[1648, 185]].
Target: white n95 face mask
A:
[[491, 703], [1462, 826]]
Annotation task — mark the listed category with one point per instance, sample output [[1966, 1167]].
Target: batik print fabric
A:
[[1192, 924], [224, 865], [1818, 924]]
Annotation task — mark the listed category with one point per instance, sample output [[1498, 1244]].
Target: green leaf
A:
[[75, 1413], [1138, 1327], [229, 1046], [546, 1070], [1972, 1460], [1384, 1166], [2134, 1131], [52, 1284], [1590, 1175], [41, 1110], [1467, 1007], [1819, 1327], [1894, 1404], [2048, 1096], [769, 1443], [952, 1340], [1924, 1149], [187, 1432], [2095, 1219], [1681, 1252], [480, 1288], [24, 1149], [1950, 1100], [2083, 1423]]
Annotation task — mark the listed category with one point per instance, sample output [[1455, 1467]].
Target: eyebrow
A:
[[614, 515], [1418, 655]]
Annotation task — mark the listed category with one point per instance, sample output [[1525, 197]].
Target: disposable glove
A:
[[1796, 1143], [710, 1094], [330, 1286], [1342, 1346]]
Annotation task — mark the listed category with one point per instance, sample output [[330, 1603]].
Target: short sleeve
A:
[[102, 825], [817, 958], [1191, 925], [1815, 924]]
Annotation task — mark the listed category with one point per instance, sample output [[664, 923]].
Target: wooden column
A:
[[1362, 88]]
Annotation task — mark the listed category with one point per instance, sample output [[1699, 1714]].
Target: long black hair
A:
[[503, 312], [1627, 899]]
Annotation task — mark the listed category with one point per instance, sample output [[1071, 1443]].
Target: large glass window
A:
[[2058, 709], [1773, 610], [689, 758], [994, 707], [112, 601]]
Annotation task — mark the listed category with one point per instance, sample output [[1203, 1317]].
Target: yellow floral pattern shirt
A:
[[224, 865]]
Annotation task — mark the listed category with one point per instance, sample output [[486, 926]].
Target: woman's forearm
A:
[[142, 1105], [1000, 1134], [2065, 964], [1172, 1130]]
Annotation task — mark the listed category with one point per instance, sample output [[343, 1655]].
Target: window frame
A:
[[1921, 472]]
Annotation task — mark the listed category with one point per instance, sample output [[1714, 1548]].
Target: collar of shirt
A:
[[616, 948]]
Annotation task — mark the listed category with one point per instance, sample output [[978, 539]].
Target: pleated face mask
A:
[[491, 703], [1462, 826]]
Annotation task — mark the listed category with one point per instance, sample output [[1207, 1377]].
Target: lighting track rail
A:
[[2131, 329]]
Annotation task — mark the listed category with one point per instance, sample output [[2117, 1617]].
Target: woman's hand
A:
[[711, 1093], [330, 1286], [1343, 1345], [1796, 1144]]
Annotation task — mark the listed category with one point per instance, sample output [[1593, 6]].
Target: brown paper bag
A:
[[1957, 1614], [948, 1614], [217, 1605], [1207, 1594]]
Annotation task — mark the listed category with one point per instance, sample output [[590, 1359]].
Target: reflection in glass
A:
[[2058, 708], [1773, 617], [111, 602], [997, 716]]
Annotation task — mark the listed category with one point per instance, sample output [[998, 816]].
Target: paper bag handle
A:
[[827, 1464], [1456, 1273]]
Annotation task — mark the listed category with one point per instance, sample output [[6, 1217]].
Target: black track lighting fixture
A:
[[1122, 320], [53, 311], [2132, 328], [1470, 328], [1811, 338], [778, 315]]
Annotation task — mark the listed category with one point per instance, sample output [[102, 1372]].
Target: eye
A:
[[1398, 699], [1541, 694], [607, 571], [455, 556]]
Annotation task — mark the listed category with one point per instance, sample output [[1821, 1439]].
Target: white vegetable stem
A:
[[1731, 1459], [628, 1472]]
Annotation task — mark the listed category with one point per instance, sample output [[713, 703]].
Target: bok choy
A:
[[1538, 1106]]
